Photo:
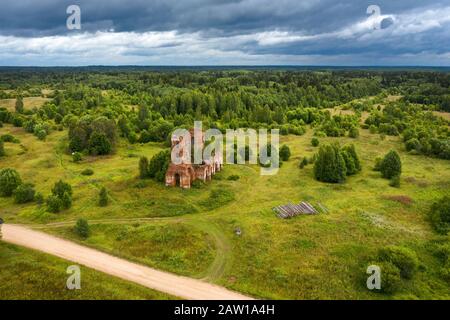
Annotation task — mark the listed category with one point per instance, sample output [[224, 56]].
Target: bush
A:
[[233, 177], [9, 181], [82, 228], [390, 277], [330, 165], [353, 132], [39, 198], [403, 258], [87, 172], [60, 188], [303, 163], [2, 149], [24, 193], [440, 215], [315, 142], [103, 197], [9, 138], [54, 204], [77, 157], [391, 165], [395, 182], [378, 162], [158, 165], [285, 153], [143, 167], [412, 144]]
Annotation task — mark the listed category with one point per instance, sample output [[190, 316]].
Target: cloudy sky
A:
[[226, 32]]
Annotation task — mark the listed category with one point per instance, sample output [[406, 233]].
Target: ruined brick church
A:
[[184, 174]]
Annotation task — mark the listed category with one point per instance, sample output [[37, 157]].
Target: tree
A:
[[285, 152], [143, 167], [330, 165], [391, 165], [103, 197], [24, 193], [158, 165], [54, 204], [440, 215], [60, 188], [351, 159], [82, 228], [19, 104], [99, 144], [9, 181]]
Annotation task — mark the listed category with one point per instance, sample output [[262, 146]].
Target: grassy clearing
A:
[[28, 103], [172, 246], [27, 274], [310, 257]]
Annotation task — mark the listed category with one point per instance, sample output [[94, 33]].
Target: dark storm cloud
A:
[[232, 31], [47, 17]]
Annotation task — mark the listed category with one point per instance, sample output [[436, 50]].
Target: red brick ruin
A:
[[184, 174]]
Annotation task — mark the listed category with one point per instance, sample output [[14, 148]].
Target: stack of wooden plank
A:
[[291, 210]]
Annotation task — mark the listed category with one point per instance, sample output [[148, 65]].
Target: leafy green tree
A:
[[351, 159], [24, 193], [99, 144], [143, 168], [391, 165], [9, 181], [440, 215], [60, 188], [158, 165], [103, 197], [330, 165], [54, 204], [285, 152], [82, 228]]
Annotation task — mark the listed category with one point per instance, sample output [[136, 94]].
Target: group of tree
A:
[[61, 197], [333, 163], [96, 136]]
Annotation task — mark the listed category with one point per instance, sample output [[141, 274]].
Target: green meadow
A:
[[192, 232]]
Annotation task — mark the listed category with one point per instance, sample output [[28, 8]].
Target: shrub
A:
[[9, 138], [82, 228], [87, 172], [403, 258], [412, 144], [60, 188], [9, 181], [19, 105], [66, 200], [395, 182], [390, 277], [158, 165], [285, 153], [330, 165], [77, 157], [39, 198], [315, 142], [103, 197], [378, 162], [54, 204], [233, 177], [440, 215], [303, 163], [24, 193], [143, 167], [2, 149], [353, 132], [391, 165]]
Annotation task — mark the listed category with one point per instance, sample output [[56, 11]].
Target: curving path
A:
[[179, 286]]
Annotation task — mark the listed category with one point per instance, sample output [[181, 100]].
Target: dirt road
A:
[[179, 286]]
